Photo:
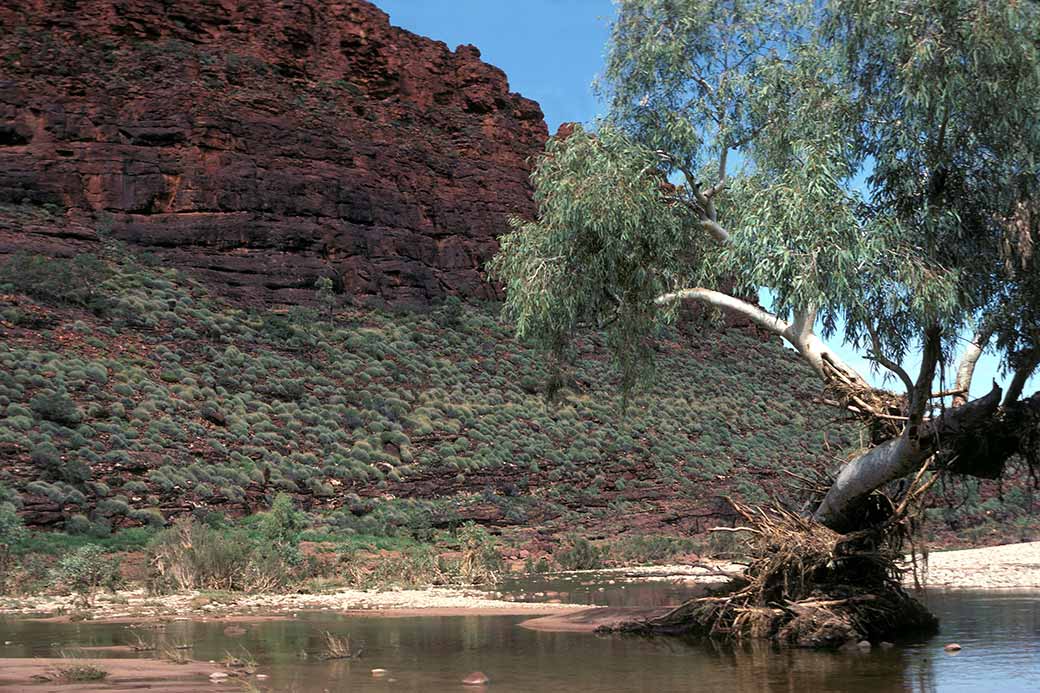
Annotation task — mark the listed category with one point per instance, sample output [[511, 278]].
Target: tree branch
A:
[[798, 334], [896, 458], [719, 233], [764, 319], [922, 390], [966, 368], [1022, 373], [878, 355], [705, 207]]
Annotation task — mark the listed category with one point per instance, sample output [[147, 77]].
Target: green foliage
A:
[[57, 467], [280, 529], [63, 281], [57, 407], [193, 556], [283, 522], [601, 201], [481, 562], [932, 103], [12, 533], [81, 673], [87, 570], [451, 311], [641, 549], [326, 295], [579, 553], [533, 567], [417, 566]]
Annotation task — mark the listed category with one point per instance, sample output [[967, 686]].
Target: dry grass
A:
[[83, 672], [178, 654], [244, 663], [336, 647]]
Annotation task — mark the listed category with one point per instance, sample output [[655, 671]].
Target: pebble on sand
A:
[[378, 673], [477, 678]]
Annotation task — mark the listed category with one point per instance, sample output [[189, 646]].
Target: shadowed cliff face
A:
[[260, 144]]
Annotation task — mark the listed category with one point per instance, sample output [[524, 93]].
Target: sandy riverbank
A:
[[1011, 566], [136, 605], [998, 567], [45, 675]]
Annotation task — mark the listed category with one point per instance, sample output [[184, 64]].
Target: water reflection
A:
[[1000, 634]]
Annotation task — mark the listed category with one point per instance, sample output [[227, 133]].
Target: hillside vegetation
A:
[[129, 395]]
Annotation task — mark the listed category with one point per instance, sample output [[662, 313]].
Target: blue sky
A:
[[551, 50]]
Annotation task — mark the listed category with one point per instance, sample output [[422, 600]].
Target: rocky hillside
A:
[[129, 394], [261, 144]]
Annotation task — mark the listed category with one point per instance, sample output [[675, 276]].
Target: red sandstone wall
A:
[[261, 144]]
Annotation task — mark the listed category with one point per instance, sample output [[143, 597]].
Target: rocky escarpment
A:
[[261, 144]]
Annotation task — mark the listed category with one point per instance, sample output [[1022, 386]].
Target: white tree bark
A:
[[798, 333], [1018, 382], [895, 459], [966, 369]]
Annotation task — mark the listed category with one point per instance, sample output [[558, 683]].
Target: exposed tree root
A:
[[807, 586]]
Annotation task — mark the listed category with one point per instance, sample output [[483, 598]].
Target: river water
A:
[[999, 633]]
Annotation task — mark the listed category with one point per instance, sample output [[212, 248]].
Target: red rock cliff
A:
[[261, 144]]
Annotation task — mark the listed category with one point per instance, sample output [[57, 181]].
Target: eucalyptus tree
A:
[[872, 163]]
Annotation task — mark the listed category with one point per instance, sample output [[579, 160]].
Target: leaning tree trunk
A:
[[975, 439]]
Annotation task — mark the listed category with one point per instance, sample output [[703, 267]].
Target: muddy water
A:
[[999, 632]]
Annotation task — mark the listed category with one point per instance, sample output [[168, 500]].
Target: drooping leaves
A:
[[883, 164]]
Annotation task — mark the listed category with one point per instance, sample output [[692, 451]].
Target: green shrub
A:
[[87, 570], [152, 517], [47, 459], [650, 548], [579, 553], [80, 673], [192, 556], [12, 533], [533, 567], [79, 524], [417, 566], [55, 280], [481, 562], [56, 407]]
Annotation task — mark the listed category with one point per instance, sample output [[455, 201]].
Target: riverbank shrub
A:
[[191, 556], [578, 553], [481, 563], [80, 673], [87, 570], [262, 556], [643, 548], [12, 533]]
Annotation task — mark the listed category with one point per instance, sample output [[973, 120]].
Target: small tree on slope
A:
[[888, 183]]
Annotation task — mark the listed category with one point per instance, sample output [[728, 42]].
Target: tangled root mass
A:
[[807, 586]]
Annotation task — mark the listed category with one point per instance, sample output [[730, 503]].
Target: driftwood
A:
[[808, 585]]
